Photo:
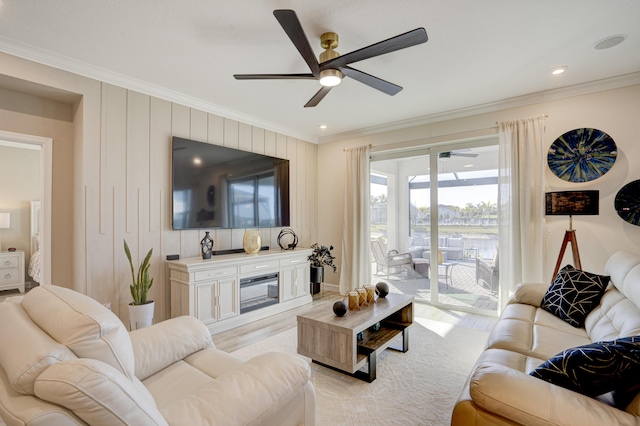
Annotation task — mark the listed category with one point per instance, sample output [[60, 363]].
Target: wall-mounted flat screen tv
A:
[[221, 187]]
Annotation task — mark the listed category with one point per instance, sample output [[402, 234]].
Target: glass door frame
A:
[[433, 152]]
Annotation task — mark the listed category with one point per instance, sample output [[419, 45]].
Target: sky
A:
[[458, 196]]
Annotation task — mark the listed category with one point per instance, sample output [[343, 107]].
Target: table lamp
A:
[[570, 203], [5, 223]]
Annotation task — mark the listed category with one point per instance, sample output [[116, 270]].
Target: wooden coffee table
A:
[[332, 341]]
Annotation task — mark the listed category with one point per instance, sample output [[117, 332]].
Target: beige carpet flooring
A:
[[419, 387]]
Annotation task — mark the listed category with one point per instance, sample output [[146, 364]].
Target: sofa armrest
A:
[[524, 399], [529, 293], [160, 345], [251, 394]]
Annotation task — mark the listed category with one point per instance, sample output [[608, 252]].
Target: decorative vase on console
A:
[[206, 246], [252, 241]]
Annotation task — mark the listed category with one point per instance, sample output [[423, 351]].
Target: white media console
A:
[[210, 289]]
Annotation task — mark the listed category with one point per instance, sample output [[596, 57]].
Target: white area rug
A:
[[419, 387]]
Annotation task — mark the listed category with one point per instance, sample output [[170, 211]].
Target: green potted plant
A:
[[319, 258], [140, 309]]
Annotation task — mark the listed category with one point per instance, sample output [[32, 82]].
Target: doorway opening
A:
[[438, 206], [33, 215]]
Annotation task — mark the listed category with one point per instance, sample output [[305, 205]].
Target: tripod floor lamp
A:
[[569, 203]]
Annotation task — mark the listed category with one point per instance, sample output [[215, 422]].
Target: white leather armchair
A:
[[67, 360]]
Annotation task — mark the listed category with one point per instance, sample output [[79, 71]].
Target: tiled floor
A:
[[460, 288]]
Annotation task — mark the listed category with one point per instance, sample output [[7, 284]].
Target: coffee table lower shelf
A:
[[367, 352], [332, 341]]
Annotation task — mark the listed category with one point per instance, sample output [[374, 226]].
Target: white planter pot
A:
[[141, 316]]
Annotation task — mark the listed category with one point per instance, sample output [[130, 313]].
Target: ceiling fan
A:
[[445, 155], [332, 66]]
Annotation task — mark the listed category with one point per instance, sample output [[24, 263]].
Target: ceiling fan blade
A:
[[402, 41], [274, 77], [315, 100], [291, 25], [371, 81]]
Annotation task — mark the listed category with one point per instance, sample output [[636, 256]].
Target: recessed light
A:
[[610, 41], [323, 126], [197, 161], [468, 165], [559, 70]]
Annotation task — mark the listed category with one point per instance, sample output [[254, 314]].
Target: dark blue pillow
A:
[[596, 368], [573, 294]]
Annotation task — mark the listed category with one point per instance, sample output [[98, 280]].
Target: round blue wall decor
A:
[[627, 202], [582, 155]]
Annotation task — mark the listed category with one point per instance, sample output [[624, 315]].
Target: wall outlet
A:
[[107, 305]]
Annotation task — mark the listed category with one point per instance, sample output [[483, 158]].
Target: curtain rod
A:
[[545, 116], [344, 149]]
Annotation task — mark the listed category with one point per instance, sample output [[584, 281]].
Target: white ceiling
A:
[[478, 53]]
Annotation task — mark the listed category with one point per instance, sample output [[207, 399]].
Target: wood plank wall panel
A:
[[311, 219], [231, 130], [200, 133], [159, 204], [109, 268], [291, 148], [270, 143], [257, 140], [216, 130], [245, 137], [127, 191], [301, 189]]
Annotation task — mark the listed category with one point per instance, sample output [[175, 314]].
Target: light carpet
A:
[[419, 387]]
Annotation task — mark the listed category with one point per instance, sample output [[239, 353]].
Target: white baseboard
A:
[[330, 287]]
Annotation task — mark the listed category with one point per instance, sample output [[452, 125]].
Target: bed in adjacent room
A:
[[34, 261]]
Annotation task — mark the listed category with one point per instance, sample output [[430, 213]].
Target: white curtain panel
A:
[[520, 203], [355, 268]]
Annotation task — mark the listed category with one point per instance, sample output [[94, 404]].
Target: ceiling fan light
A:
[[330, 77]]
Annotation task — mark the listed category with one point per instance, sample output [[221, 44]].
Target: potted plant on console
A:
[[320, 257], [141, 309]]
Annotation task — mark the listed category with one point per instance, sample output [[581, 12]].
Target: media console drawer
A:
[[212, 274], [293, 261], [259, 266]]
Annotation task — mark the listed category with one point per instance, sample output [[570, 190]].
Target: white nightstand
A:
[[12, 270]]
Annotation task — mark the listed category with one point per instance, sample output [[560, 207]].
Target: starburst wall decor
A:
[[582, 155]]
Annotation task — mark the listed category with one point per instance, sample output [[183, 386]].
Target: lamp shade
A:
[[569, 203], [5, 220]]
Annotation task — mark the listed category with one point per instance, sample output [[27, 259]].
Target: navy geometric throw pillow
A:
[[596, 368], [574, 294]]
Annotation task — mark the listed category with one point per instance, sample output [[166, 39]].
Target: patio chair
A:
[[487, 274], [391, 261]]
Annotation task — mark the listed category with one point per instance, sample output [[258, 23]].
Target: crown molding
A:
[[530, 99], [74, 66], [45, 57]]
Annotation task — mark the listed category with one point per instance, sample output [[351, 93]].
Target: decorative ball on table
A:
[[382, 289], [340, 308]]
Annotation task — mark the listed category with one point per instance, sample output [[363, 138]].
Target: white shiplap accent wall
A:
[[128, 189]]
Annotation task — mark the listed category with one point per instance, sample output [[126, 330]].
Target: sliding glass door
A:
[[449, 228]]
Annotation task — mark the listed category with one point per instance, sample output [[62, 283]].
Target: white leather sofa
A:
[[67, 360], [500, 390]]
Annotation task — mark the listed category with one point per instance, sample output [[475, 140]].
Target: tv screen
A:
[[220, 187]]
